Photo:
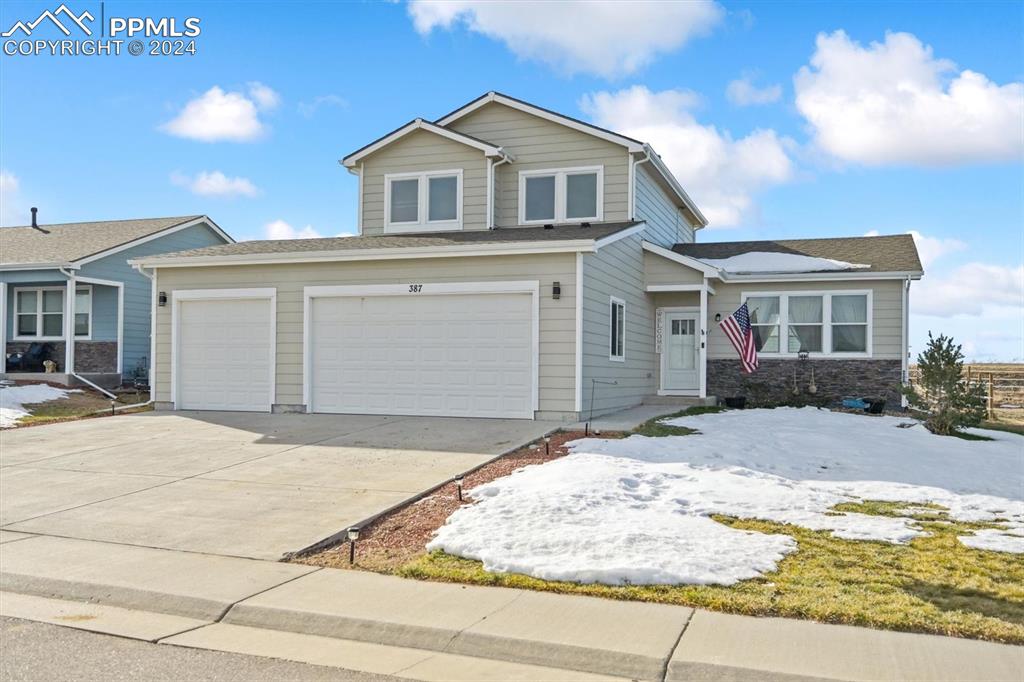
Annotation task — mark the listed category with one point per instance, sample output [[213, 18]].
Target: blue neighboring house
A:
[[47, 271]]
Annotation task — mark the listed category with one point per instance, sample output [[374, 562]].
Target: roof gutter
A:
[[501, 249], [39, 266], [819, 276]]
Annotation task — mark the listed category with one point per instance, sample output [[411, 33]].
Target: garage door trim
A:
[[531, 287], [177, 297]]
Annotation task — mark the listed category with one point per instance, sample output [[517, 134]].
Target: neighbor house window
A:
[[561, 195], [617, 337], [828, 323], [39, 312], [429, 200]]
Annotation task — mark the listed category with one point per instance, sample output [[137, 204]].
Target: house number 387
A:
[[415, 288]]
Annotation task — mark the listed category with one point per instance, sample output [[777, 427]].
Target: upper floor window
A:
[[832, 323], [561, 195], [39, 312], [430, 200]]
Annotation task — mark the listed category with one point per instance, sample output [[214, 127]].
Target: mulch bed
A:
[[401, 535]]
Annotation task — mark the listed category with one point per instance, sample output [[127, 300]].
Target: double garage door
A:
[[424, 352]]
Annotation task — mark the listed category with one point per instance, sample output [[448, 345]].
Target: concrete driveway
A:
[[234, 484]]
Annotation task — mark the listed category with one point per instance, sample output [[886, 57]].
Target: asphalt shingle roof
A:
[[890, 253], [410, 240], [69, 242]]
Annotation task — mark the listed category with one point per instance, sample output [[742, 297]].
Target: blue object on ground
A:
[[855, 403]]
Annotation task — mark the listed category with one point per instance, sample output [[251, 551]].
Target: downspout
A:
[[905, 362], [491, 198], [69, 340], [632, 180]]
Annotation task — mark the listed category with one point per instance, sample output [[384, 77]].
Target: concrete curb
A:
[[111, 595]]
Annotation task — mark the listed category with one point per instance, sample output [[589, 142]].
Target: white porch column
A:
[[704, 339], [69, 327], [3, 326]]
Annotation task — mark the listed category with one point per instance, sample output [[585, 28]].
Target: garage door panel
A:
[[224, 355], [458, 355]]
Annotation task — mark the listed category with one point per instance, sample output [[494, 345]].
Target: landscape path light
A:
[[353, 535], [458, 486]]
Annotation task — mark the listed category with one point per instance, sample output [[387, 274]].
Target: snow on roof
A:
[[773, 262]]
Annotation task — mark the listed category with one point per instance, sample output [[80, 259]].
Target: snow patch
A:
[[770, 261], [638, 510], [14, 398]]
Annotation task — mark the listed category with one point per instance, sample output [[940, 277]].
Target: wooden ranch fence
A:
[[1004, 386]]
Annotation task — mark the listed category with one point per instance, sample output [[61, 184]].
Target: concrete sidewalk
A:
[[421, 630]]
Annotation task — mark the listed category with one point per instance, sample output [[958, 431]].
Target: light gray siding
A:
[[541, 144], [137, 290], [666, 222], [660, 270], [557, 317], [887, 304], [425, 151], [617, 270]]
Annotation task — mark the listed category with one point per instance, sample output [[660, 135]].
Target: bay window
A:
[[827, 323], [561, 195], [417, 202], [39, 313]]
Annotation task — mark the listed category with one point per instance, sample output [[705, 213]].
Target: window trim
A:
[[39, 313], [561, 197], [612, 302], [826, 317], [423, 223]]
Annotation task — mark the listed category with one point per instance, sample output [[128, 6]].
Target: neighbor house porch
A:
[[54, 316]]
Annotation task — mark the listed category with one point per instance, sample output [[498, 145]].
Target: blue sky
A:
[[908, 120]]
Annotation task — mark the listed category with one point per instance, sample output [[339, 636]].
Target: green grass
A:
[[655, 429], [1003, 426], [77, 406], [934, 584]]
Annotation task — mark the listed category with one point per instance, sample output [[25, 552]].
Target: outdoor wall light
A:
[[458, 486], [718, 317], [556, 290], [162, 299], [353, 535]]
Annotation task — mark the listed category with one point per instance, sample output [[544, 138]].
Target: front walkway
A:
[[234, 484]]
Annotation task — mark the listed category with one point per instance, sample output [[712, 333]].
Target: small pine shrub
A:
[[950, 403]]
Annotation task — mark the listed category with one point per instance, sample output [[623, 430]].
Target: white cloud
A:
[[611, 38], [263, 96], [930, 249], [215, 184], [279, 229], [744, 93], [721, 173], [895, 103], [309, 109], [217, 115], [973, 289], [11, 210]]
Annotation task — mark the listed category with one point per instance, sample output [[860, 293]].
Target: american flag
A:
[[737, 328]]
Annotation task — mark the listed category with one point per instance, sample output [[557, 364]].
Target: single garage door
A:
[[465, 355], [224, 354]]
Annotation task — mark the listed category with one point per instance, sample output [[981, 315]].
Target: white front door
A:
[[680, 354]]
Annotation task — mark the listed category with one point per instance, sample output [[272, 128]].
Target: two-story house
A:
[[515, 262]]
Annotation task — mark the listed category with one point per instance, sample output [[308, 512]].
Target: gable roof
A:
[[633, 145], [890, 253], [419, 124], [405, 245], [509, 101], [68, 243]]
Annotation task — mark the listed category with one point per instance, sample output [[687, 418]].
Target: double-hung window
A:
[[561, 195], [617, 328], [828, 323], [419, 202], [39, 313]]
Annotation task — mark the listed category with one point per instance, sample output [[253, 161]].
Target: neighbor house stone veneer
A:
[[835, 379], [95, 356]]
